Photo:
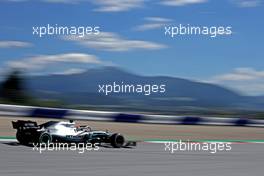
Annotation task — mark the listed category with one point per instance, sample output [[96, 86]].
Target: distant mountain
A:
[[82, 88]]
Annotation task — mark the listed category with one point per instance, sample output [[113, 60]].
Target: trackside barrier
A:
[[42, 112]]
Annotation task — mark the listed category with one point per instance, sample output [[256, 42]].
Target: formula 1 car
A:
[[65, 132]]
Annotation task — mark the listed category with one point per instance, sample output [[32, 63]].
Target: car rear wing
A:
[[24, 124]]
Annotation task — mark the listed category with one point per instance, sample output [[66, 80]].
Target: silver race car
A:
[[53, 131]]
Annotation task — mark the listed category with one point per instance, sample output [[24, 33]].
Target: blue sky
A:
[[137, 27]]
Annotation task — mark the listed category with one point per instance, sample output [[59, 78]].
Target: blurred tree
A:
[[13, 88]]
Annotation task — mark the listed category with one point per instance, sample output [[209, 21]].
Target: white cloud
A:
[[181, 2], [149, 26], [121, 5], [63, 1], [14, 44], [117, 5], [158, 19], [247, 80], [247, 3], [40, 62], [153, 23], [71, 71], [241, 74], [112, 42], [50, 1], [103, 5], [14, 0]]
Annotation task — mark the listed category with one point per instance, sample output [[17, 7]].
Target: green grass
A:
[[7, 137]]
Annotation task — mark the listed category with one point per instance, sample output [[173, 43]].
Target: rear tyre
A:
[[21, 139], [117, 140], [45, 138]]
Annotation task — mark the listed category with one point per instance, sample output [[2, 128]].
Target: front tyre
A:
[[117, 140]]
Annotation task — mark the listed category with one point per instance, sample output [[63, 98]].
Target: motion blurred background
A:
[[80, 91], [207, 76]]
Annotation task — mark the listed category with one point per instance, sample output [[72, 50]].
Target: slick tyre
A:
[[20, 138], [45, 138], [117, 140]]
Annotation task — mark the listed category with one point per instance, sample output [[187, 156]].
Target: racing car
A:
[[65, 132]]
